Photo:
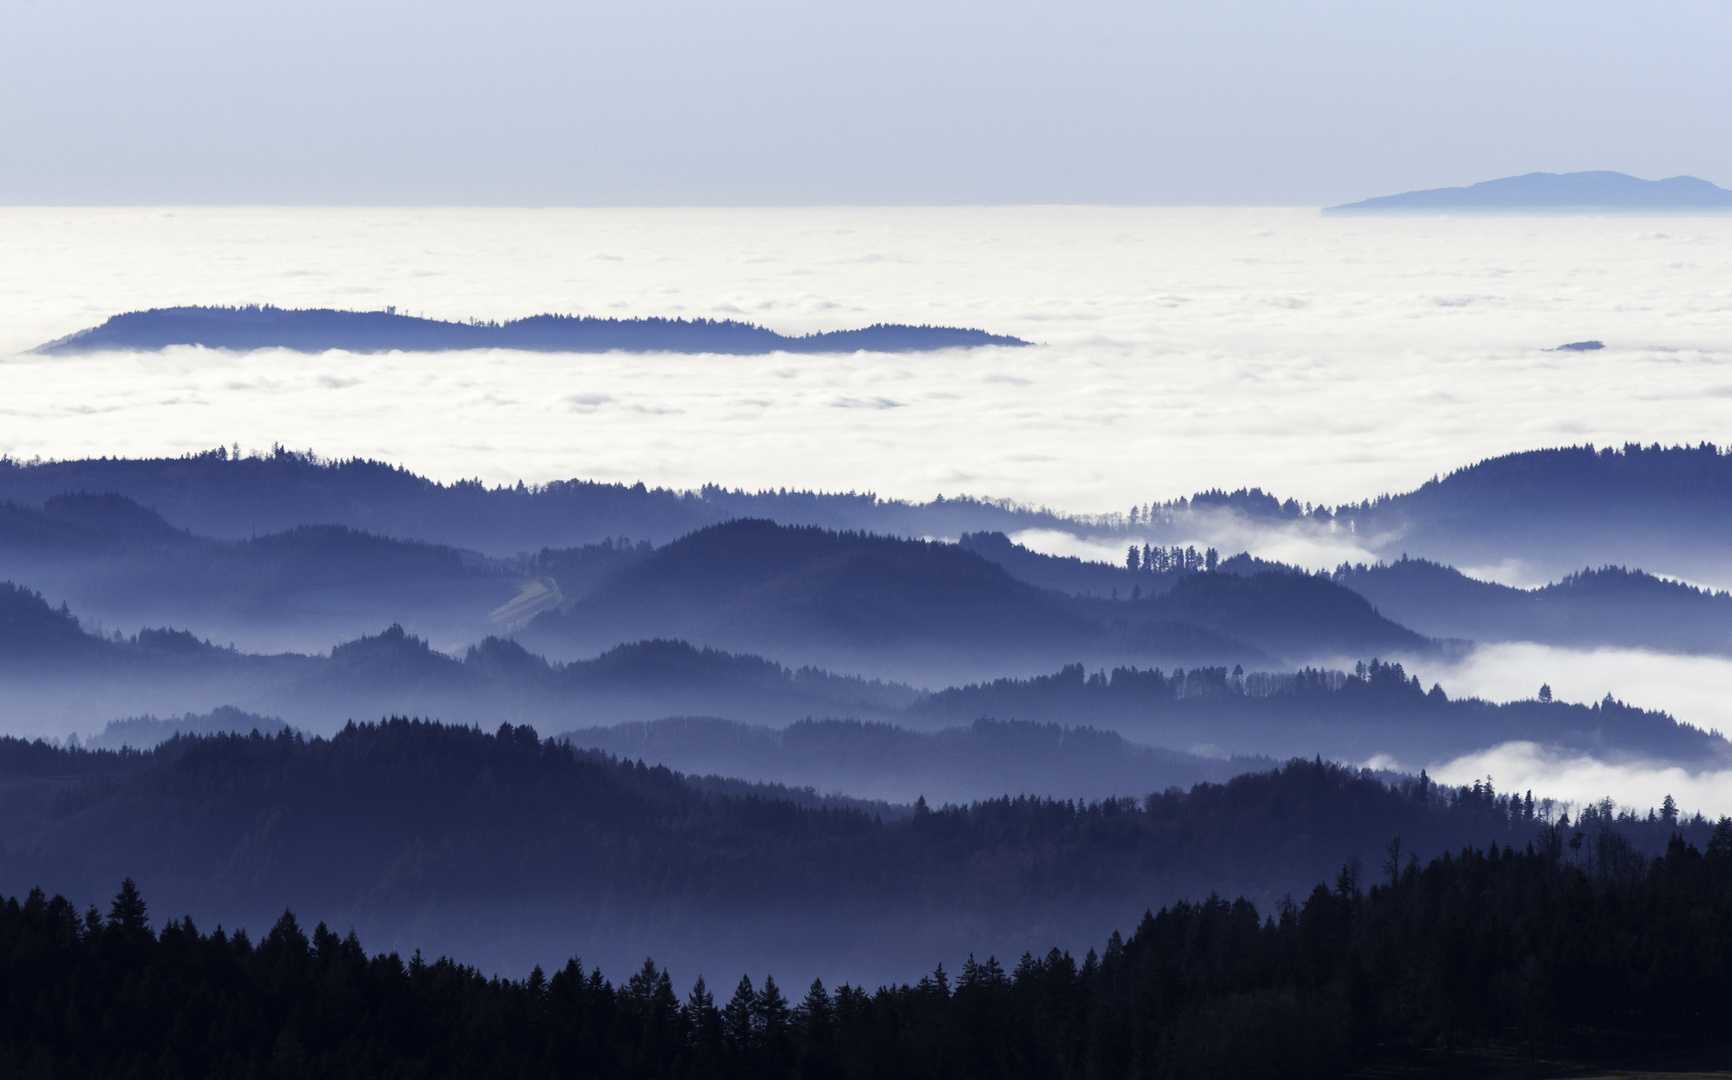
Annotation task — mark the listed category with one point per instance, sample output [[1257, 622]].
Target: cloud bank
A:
[[1323, 359], [1581, 779]]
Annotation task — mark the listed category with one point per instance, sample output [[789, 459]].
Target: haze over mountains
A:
[[503, 848], [680, 631], [788, 653]]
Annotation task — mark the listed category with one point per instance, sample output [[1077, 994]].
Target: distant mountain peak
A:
[[1554, 192]]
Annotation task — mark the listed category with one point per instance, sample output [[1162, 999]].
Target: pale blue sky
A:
[[899, 101]]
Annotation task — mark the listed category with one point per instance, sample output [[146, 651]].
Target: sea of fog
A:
[[1322, 358]]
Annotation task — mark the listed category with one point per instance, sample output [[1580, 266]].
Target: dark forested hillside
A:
[[1530, 959], [512, 850], [1559, 933]]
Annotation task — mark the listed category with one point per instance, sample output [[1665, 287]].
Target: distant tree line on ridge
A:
[[1152, 559]]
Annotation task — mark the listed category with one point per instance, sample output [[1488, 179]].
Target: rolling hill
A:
[[1610, 606], [929, 612], [508, 850], [122, 565]]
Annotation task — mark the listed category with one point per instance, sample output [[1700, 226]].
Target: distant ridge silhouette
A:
[[1580, 191], [318, 329]]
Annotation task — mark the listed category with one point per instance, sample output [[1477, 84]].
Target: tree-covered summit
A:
[[320, 329]]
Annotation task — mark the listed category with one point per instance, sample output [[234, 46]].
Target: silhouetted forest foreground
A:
[[1527, 951], [509, 850], [319, 329]]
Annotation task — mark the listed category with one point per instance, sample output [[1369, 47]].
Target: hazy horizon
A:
[[767, 103]]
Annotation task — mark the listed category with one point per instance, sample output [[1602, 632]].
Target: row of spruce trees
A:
[[1525, 950]]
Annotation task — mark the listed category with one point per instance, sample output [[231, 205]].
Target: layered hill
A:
[[1376, 711], [61, 678], [931, 610], [982, 760], [232, 496], [122, 565], [508, 850], [1539, 515], [1610, 606], [1548, 513]]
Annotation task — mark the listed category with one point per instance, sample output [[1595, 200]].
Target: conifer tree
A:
[[128, 910]]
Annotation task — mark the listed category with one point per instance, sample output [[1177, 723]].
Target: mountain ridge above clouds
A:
[[323, 329], [1549, 513], [227, 495], [1555, 510], [1531, 517], [1578, 192]]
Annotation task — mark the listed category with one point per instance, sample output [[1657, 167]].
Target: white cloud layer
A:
[[1691, 688], [1327, 359], [1578, 779]]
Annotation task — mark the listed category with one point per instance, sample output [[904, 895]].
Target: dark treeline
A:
[[1524, 951], [385, 823]]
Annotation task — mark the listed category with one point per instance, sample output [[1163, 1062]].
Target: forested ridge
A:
[[257, 326], [1612, 605], [387, 824], [1377, 699], [1528, 950]]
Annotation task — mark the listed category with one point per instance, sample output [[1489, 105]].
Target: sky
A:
[[820, 102]]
